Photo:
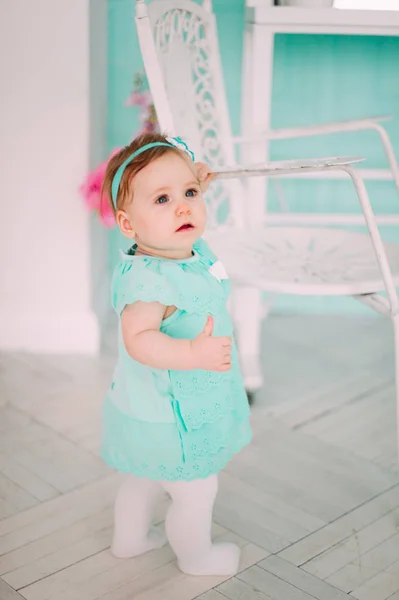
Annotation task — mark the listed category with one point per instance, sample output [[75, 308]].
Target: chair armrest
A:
[[311, 130], [284, 167], [274, 169]]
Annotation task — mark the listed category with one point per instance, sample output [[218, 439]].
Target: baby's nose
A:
[[184, 208]]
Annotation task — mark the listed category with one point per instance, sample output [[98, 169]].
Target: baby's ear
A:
[[124, 224]]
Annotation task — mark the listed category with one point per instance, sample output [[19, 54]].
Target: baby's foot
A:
[[223, 559], [123, 549]]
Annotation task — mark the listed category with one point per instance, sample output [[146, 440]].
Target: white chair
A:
[[178, 42]]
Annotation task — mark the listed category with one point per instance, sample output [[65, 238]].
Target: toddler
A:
[[176, 410]]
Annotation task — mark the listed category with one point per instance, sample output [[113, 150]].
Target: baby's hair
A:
[[138, 163]]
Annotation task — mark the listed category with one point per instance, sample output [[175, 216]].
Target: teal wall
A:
[[317, 78]]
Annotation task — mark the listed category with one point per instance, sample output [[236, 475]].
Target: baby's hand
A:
[[204, 175], [211, 353]]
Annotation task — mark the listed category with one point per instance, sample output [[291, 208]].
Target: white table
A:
[[262, 23]]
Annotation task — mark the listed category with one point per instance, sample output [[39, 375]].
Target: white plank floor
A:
[[313, 502]]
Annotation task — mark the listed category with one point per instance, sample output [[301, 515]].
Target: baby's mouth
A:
[[185, 227]]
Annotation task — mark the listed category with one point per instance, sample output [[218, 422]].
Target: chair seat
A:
[[304, 261]]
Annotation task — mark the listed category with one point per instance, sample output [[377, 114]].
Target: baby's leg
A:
[[188, 527], [134, 506]]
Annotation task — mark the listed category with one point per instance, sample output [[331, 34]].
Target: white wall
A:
[[98, 151], [45, 247]]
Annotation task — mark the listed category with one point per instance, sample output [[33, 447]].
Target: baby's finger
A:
[[225, 367], [202, 171], [208, 177]]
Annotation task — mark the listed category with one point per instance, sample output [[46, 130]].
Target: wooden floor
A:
[[314, 501]]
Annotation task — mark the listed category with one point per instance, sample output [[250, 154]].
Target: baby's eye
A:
[[161, 200], [191, 193]]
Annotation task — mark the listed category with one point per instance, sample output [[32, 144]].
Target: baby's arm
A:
[[146, 344]]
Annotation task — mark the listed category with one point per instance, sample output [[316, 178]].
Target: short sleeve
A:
[[171, 283], [139, 280]]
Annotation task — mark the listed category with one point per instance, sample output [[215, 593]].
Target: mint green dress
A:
[[169, 424]]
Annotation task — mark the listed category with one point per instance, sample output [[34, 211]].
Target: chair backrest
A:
[[178, 42]]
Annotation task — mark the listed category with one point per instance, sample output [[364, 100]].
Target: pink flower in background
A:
[[92, 185], [91, 192], [106, 215], [139, 98]]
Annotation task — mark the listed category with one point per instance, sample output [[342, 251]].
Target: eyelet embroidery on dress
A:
[[157, 272], [126, 268], [198, 402], [209, 408], [202, 465], [189, 384], [210, 305]]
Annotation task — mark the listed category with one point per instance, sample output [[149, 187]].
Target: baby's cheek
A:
[[203, 211]]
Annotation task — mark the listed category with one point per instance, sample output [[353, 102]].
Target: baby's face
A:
[[167, 213]]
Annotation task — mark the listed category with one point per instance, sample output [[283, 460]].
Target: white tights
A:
[[187, 524]]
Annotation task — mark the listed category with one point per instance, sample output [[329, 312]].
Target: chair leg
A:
[[247, 317], [395, 321]]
